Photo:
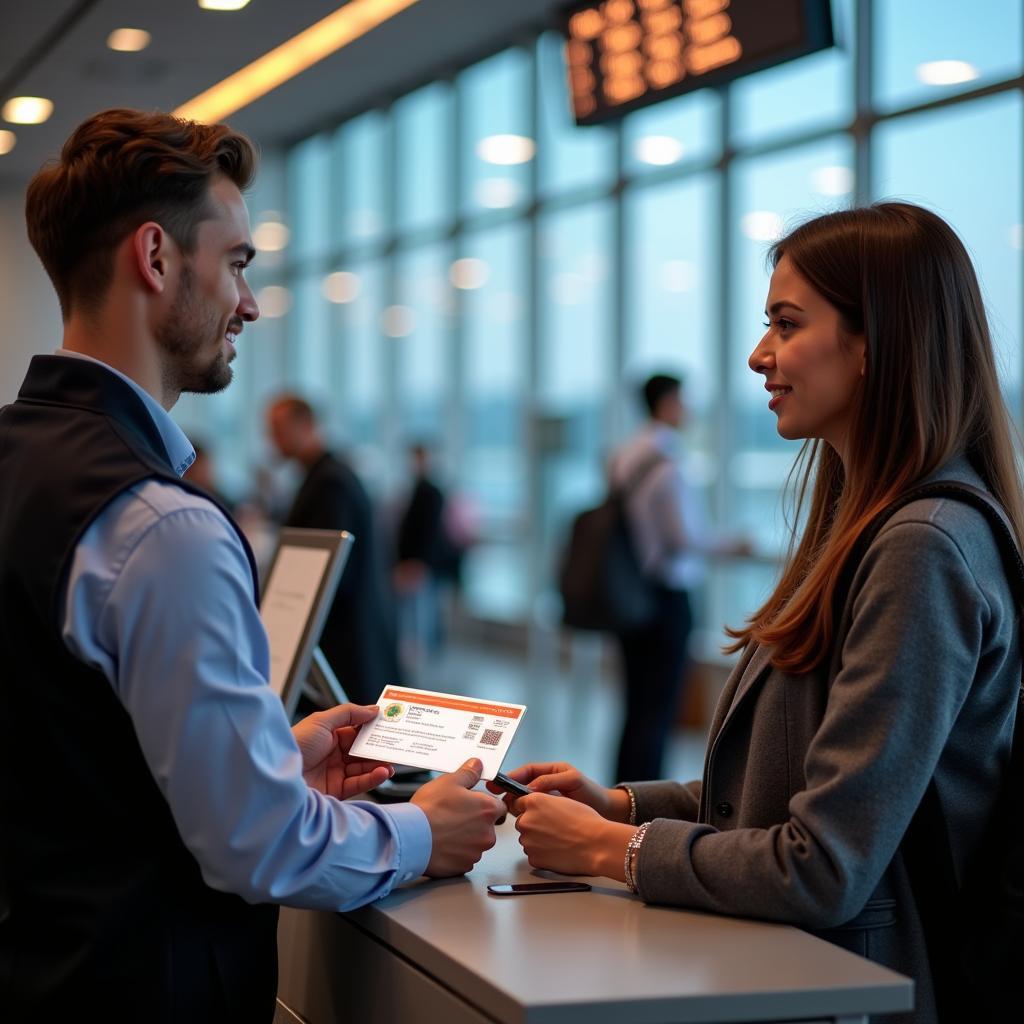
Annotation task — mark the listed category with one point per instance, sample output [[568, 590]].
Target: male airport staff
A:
[[155, 803]]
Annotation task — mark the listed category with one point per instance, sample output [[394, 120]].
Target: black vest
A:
[[101, 904]]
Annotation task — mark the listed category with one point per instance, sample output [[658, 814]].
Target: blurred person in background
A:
[[421, 550], [359, 637], [672, 541]]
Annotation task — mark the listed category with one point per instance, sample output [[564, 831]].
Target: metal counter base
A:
[[448, 952]]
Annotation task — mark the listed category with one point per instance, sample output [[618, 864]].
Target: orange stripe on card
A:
[[453, 703]]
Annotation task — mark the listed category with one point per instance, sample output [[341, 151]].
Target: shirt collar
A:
[[179, 449], [664, 437]]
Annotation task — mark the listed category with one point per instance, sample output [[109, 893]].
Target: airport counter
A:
[[447, 951]]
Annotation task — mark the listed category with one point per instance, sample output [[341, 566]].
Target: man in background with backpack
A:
[[671, 541]]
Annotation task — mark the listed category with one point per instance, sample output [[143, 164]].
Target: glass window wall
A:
[[499, 280], [423, 159], [927, 49]]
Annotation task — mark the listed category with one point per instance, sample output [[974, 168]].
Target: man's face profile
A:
[[285, 430], [212, 300]]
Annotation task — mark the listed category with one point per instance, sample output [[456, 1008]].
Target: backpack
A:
[[602, 584], [975, 932]]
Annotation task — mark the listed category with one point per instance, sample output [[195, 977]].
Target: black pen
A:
[[510, 785]]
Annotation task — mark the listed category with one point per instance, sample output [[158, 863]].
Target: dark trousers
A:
[[654, 660]]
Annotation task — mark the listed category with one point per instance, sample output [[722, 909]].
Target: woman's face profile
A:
[[811, 372]]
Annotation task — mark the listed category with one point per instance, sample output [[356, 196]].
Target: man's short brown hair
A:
[[119, 169], [297, 409]]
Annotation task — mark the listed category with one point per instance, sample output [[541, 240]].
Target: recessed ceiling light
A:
[[469, 273], [762, 225], [128, 40], [342, 286], [659, 150], [498, 193], [678, 276], [506, 149], [274, 301], [364, 223], [593, 266], [27, 110], [7, 141], [270, 236], [222, 5], [568, 288], [398, 321], [291, 58], [946, 72], [833, 181]]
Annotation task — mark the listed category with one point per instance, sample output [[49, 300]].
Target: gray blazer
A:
[[811, 781]]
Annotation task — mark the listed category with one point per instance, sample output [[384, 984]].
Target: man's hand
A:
[[461, 822], [324, 738]]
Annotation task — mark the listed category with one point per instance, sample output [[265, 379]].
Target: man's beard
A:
[[183, 336]]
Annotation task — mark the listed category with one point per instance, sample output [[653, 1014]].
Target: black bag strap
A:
[[957, 491], [925, 848]]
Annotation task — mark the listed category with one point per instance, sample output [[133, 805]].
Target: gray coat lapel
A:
[[748, 672], [750, 666]]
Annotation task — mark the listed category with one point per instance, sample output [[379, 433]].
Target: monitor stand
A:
[[321, 687]]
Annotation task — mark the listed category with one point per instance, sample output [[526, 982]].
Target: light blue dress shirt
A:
[[159, 599], [669, 526]]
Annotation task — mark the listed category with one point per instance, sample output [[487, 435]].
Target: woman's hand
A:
[[324, 738], [561, 777], [571, 838]]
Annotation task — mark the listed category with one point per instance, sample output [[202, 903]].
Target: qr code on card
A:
[[491, 737]]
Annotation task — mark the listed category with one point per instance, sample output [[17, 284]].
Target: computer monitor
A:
[[296, 598]]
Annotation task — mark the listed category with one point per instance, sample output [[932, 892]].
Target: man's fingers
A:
[[469, 774], [364, 782], [355, 768], [346, 714]]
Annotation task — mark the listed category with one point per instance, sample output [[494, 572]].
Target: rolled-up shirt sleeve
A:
[[160, 600]]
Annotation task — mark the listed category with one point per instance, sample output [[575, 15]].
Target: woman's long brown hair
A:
[[900, 276]]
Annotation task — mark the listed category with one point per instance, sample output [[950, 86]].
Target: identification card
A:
[[438, 731]]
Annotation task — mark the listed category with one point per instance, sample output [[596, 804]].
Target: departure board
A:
[[624, 54]]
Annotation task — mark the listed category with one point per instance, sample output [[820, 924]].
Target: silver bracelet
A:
[[632, 802], [632, 852]]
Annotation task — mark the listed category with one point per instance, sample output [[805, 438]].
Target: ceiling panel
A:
[[192, 49]]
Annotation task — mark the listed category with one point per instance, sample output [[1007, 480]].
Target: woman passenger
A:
[[837, 720]]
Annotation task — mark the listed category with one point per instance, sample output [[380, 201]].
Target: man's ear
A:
[[153, 251]]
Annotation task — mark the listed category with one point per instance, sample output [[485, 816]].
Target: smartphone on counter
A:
[[528, 888]]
